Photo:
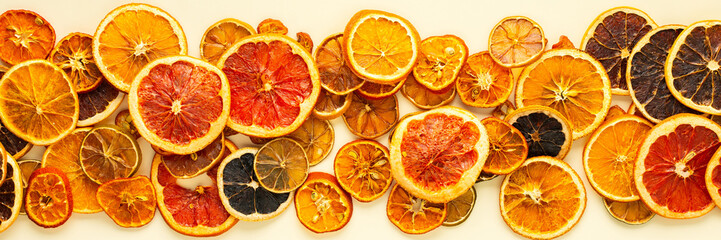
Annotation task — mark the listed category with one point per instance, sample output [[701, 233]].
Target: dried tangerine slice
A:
[[274, 84], [321, 204], [571, 82], [508, 148], [413, 215], [335, 75], [11, 194], [362, 169], [437, 155], [373, 90], [425, 98], [220, 36], [130, 202], [516, 41], [305, 40], [367, 118], [671, 166], [330, 106], [316, 136], [546, 131], [281, 165], [273, 26], [98, 104], [460, 208], [610, 39], [74, 54], [439, 61], [194, 164], [483, 82], [48, 201], [24, 35], [634, 213], [380, 47], [107, 152]]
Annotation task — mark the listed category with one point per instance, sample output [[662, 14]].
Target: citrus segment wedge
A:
[[413, 215], [321, 204], [220, 36], [24, 35], [281, 165], [74, 54], [483, 82], [48, 201], [130, 202], [508, 148], [363, 170], [335, 76], [516, 41], [439, 61], [367, 118]]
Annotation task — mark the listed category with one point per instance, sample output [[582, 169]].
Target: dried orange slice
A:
[[98, 104], [437, 155], [542, 199], [220, 36], [671, 166], [305, 40], [194, 164], [179, 104], [362, 169], [131, 36], [373, 90], [37, 102], [335, 75], [571, 82], [130, 202], [610, 155], [633, 213], [48, 201], [483, 82], [610, 39], [439, 61], [321, 204], [460, 208], [370, 119], [614, 111], [274, 84], [425, 98], [316, 136], [11, 195], [516, 41], [74, 54], [380, 47], [546, 131], [24, 35], [508, 148], [330, 106], [107, 152], [281, 165], [274, 26], [413, 215]]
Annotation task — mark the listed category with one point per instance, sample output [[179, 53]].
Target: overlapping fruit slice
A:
[[107, 152], [273, 26], [222, 35], [508, 148], [13, 145], [330, 106], [335, 76], [363, 170], [130, 202], [305, 40], [316, 136], [281, 165], [369, 118], [460, 208], [546, 131], [413, 215], [424, 98], [48, 201], [11, 195], [74, 54], [24, 35], [516, 41], [483, 82], [439, 61], [321, 204], [125, 122], [194, 164], [26, 167], [373, 90], [634, 213], [98, 104]]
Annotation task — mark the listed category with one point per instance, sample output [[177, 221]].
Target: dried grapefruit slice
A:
[[373, 90], [633, 213], [107, 152], [413, 215], [671, 165], [335, 76], [546, 131], [508, 148], [15, 146], [11, 195], [321, 204], [330, 106], [316, 136], [74, 54], [425, 98], [281, 165], [370, 119], [483, 82], [437, 155], [516, 41], [460, 208], [439, 61], [194, 164], [130, 202], [220, 36], [98, 104], [48, 201], [24, 35], [362, 169]]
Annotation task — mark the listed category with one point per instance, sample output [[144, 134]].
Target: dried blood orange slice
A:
[[273, 26], [671, 165], [222, 35], [98, 104], [107, 152], [24, 35], [425, 98], [330, 106], [131, 36], [508, 148], [367, 118], [48, 201], [11, 194], [15, 146], [362, 169], [516, 41], [439, 61], [610, 39], [316, 136], [413, 215], [546, 131], [483, 82], [373, 90], [179, 104], [194, 164], [633, 213], [274, 84], [460, 208], [281, 165], [74, 54], [130, 202], [437, 155], [321, 204], [335, 75]]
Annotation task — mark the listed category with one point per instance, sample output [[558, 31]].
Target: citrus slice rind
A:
[[362, 169], [281, 165], [24, 35], [98, 104], [371, 118], [371, 90], [321, 204], [508, 148], [546, 131], [129, 202], [440, 59], [713, 178], [108, 153], [516, 41], [335, 76], [222, 35], [11, 194], [633, 213], [483, 82], [414, 215], [74, 55], [460, 208], [48, 201]]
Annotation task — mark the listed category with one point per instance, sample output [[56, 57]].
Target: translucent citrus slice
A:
[[508, 147], [194, 164], [274, 84], [516, 41], [413, 215], [130, 202], [274, 26], [38, 102], [74, 54], [571, 82], [98, 104], [179, 103], [671, 165], [614, 111], [48, 201], [11, 195], [610, 39], [424, 98], [610, 155], [439, 61], [108, 153], [335, 75], [633, 213], [305, 40], [240, 192], [321, 204], [220, 36], [330, 106], [281, 165], [124, 121], [26, 167], [362, 169], [370, 119], [460, 208], [437, 155], [24, 35], [542, 199], [316, 137], [380, 46], [546, 131], [483, 82], [373, 90]]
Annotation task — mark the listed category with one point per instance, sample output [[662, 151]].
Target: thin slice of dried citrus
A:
[[281, 165], [321, 204], [633, 213], [125, 122], [362, 169], [26, 167], [330, 106], [439, 61], [130, 202], [15, 146], [11, 195], [425, 98], [373, 90], [483, 82], [370, 119], [516, 41], [508, 148], [24, 35], [563, 42], [546, 131], [671, 166], [316, 136], [335, 75], [220, 36], [712, 178], [305, 40], [460, 208], [542, 199], [614, 111], [107, 153], [501, 111], [273, 26], [98, 104], [74, 54], [194, 164], [413, 215], [48, 201]]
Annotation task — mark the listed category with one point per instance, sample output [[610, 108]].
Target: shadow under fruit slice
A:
[[483, 82], [633, 213], [241, 193], [546, 131], [362, 169], [194, 164], [108, 153], [321, 204], [508, 148], [11, 195], [222, 35], [439, 61], [368, 118], [425, 98], [331, 106], [281, 165], [130, 202], [274, 84], [98, 104], [335, 76], [74, 54], [24, 35], [516, 41], [316, 136], [48, 201], [460, 208], [413, 215]]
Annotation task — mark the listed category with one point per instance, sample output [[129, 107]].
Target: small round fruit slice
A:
[[222, 35], [483, 82], [439, 61], [610, 39], [542, 199], [516, 41], [273, 26], [194, 164], [240, 192], [26, 168], [195, 212], [316, 137], [98, 104], [281, 165], [49, 201], [373, 90], [671, 166], [13, 145], [321, 204], [546, 131], [380, 47], [38, 102], [367, 118], [692, 67], [571, 82], [508, 148], [130, 202], [131, 36], [413, 215], [108, 153], [330, 106], [633, 213], [335, 76], [460, 208], [437, 155], [11, 195], [424, 98], [24, 35], [362, 169], [274, 84], [74, 54]]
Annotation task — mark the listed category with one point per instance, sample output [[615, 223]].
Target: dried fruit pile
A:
[[659, 157]]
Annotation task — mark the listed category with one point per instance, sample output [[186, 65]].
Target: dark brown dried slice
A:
[[15, 146], [546, 131], [11, 195], [370, 118], [194, 164], [98, 104], [335, 75], [330, 106], [424, 98]]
